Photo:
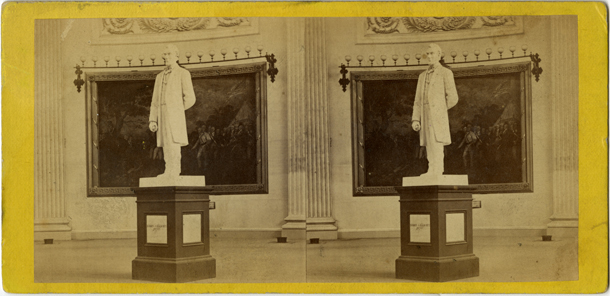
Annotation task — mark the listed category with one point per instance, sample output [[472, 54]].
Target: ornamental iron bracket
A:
[[78, 81], [536, 70], [344, 81], [272, 71]]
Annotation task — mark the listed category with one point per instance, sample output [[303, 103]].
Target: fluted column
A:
[[564, 72], [310, 203], [50, 219], [320, 222], [295, 225]]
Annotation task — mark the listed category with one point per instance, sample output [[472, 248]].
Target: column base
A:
[[322, 228], [173, 270], [53, 228], [437, 269], [323, 235], [294, 234], [563, 227], [294, 229]]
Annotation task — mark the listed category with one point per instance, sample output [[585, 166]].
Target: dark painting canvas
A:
[[221, 128], [485, 131]]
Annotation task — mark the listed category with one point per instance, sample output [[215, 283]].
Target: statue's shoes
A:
[[168, 175], [431, 175]]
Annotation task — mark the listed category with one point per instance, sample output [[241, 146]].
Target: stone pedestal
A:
[[436, 234], [173, 235]]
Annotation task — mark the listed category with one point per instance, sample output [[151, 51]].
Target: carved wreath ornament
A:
[[388, 25], [167, 25]]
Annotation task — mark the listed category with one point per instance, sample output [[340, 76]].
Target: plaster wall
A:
[[381, 213], [90, 215]]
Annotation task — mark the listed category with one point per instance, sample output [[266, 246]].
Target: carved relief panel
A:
[[169, 24], [150, 30], [422, 29]]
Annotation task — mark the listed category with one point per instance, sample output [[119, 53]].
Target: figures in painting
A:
[[224, 153]]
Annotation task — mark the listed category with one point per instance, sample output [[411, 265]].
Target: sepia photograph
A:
[[374, 150]]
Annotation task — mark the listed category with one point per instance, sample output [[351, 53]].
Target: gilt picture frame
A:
[[495, 109], [230, 106]]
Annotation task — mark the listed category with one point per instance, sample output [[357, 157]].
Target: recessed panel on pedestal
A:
[[419, 228], [455, 226], [156, 229], [191, 228]]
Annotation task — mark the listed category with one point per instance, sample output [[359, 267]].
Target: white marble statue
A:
[[172, 95], [435, 95]]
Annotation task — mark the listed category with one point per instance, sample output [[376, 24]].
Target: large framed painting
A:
[[230, 109], [491, 129]]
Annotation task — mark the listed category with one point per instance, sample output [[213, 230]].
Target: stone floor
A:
[[506, 259]]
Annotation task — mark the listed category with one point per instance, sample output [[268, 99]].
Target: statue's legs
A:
[[172, 156], [172, 152], [436, 154], [435, 151]]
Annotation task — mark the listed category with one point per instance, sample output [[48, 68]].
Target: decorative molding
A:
[[457, 72], [491, 70], [384, 76], [155, 30], [218, 190], [481, 188], [227, 71], [168, 25], [152, 74], [110, 191], [423, 29], [118, 25], [381, 190], [238, 189], [122, 76], [122, 26], [517, 187], [435, 24]]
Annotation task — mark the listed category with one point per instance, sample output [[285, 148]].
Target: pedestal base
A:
[[437, 269], [194, 181], [436, 242], [173, 270], [173, 235]]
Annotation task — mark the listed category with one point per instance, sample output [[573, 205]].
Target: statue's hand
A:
[[153, 126], [416, 126]]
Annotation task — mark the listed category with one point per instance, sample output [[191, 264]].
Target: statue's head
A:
[[171, 54], [433, 53]]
